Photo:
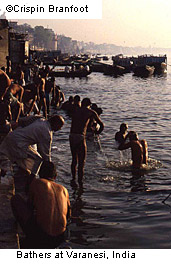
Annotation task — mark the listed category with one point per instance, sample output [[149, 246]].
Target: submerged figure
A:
[[139, 150], [80, 120], [68, 105], [121, 136], [43, 217]]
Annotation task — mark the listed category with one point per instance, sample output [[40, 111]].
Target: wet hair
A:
[[133, 135], [56, 119], [71, 99], [47, 170], [124, 126], [96, 108], [86, 102], [77, 98]]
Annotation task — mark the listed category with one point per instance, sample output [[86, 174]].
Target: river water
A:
[[116, 208]]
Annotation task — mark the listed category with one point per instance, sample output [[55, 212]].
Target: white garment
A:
[[87, 68], [17, 146]]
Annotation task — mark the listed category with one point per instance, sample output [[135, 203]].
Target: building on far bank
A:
[[4, 42], [18, 48]]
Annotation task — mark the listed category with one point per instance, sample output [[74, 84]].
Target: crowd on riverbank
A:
[[25, 122]]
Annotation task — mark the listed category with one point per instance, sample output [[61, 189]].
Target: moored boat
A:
[[144, 71], [123, 61], [114, 71], [70, 74], [160, 68], [158, 62]]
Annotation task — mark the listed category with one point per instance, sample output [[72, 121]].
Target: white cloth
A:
[[87, 68], [17, 145]]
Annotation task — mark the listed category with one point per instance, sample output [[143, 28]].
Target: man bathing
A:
[[80, 119], [121, 135], [139, 150], [43, 217]]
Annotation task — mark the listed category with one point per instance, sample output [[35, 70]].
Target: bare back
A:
[[139, 152], [81, 118], [51, 202]]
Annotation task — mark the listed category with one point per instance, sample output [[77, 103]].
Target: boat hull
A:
[[143, 71], [114, 71], [74, 74]]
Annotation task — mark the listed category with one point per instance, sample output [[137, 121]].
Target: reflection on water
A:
[[117, 207]]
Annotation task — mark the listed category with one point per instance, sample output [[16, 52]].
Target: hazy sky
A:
[[124, 22]]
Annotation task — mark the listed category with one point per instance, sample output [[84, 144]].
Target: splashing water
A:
[[127, 165]]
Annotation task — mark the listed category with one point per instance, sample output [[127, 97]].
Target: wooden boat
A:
[[97, 66], [134, 62], [105, 58], [71, 74], [114, 71], [123, 61], [143, 71], [160, 68], [158, 62]]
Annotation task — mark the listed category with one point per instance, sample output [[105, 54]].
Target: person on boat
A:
[[87, 68], [77, 138], [67, 69], [121, 135], [43, 216], [81, 68], [73, 67], [139, 150], [17, 145]]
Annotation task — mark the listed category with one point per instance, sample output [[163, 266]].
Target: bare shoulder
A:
[[39, 182], [144, 142], [61, 189], [45, 183], [59, 186]]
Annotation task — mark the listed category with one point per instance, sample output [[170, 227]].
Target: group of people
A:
[[19, 99], [47, 209], [81, 68]]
